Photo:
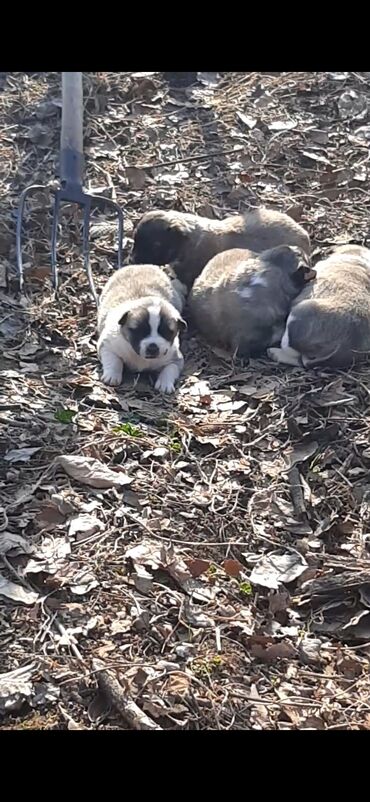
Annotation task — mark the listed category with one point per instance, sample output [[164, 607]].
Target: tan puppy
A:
[[241, 299], [329, 322], [188, 241], [139, 321]]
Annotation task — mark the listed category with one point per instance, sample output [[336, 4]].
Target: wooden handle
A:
[[71, 142]]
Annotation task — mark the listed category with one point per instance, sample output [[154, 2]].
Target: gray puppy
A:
[[329, 322], [241, 299], [188, 242], [139, 320]]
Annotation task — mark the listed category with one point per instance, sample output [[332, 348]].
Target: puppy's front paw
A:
[[165, 384], [274, 353], [111, 377]]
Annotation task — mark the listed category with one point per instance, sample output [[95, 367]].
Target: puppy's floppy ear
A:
[[294, 262], [177, 324], [123, 319]]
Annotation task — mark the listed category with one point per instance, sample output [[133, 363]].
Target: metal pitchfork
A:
[[71, 188]]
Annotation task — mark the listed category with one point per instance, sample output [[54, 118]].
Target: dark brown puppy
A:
[[188, 242], [241, 299], [329, 323]]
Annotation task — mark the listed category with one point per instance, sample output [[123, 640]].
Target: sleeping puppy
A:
[[139, 320], [329, 322], [241, 299], [188, 241]]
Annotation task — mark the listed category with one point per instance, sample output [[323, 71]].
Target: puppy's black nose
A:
[[152, 351]]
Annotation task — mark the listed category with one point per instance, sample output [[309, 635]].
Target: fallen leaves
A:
[[274, 570], [152, 554], [92, 472], [21, 454], [17, 593], [243, 464]]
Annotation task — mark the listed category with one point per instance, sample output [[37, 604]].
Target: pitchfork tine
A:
[[54, 237], [71, 189], [22, 199], [86, 251]]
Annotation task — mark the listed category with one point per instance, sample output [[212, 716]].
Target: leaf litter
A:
[[203, 546]]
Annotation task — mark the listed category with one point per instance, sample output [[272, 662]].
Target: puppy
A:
[[188, 241], [139, 320], [329, 322], [241, 299]]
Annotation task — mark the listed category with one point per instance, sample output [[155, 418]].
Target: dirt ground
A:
[[215, 573]]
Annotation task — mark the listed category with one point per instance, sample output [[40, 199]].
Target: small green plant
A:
[[203, 667], [64, 415], [212, 570], [245, 588], [128, 428], [175, 445]]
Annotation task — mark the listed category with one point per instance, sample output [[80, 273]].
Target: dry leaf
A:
[[92, 472], [136, 177], [276, 651], [49, 556], [17, 593], [177, 684], [85, 524], [20, 454], [197, 567], [283, 125], [210, 79], [49, 513], [232, 567], [15, 688], [14, 543], [195, 617], [249, 122], [83, 582], [275, 569], [301, 453]]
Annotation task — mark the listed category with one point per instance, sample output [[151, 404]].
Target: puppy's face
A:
[[151, 330], [157, 241], [293, 263]]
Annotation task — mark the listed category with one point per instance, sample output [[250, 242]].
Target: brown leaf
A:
[[278, 602], [50, 514], [136, 177], [276, 651], [177, 684], [197, 567], [232, 567]]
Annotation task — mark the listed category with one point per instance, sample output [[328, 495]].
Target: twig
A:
[[116, 694], [296, 493], [201, 157]]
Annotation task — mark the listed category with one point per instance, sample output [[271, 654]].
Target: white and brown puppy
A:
[[241, 299], [329, 323], [139, 320], [188, 242]]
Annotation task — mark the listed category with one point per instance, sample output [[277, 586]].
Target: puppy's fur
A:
[[329, 322], [241, 299], [139, 320], [188, 241]]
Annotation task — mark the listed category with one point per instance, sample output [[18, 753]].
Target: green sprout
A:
[[175, 445], [128, 428], [245, 588], [64, 415]]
